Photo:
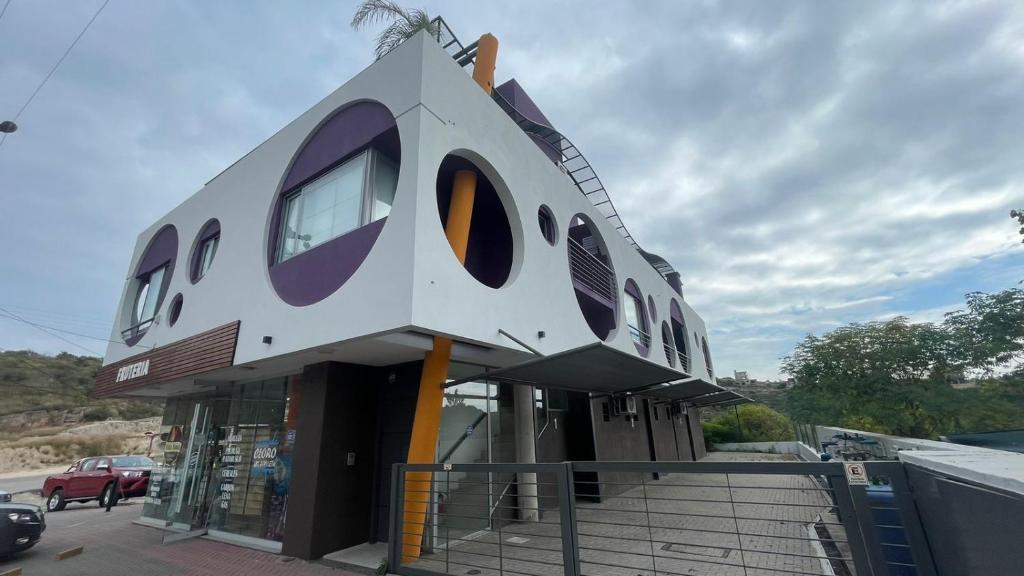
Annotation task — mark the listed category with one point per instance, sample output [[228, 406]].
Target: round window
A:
[[204, 249], [333, 203], [548, 227], [636, 318], [593, 278], [489, 250], [175, 309], [149, 284], [666, 341]]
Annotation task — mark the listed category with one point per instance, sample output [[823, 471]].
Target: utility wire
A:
[[79, 334], [55, 66], [42, 329], [6, 4]]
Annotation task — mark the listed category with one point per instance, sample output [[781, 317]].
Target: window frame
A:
[[371, 159], [146, 285], [204, 264]]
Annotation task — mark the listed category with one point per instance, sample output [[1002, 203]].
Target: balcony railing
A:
[[684, 361], [639, 336], [137, 329], [591, 274]]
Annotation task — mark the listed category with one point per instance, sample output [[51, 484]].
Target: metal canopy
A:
[[718, 398], [593, 368], [683, 390]]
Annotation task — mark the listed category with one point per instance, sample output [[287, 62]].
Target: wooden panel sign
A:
[[206, 351]]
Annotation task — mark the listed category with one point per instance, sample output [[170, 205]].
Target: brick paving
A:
[[115, 547], [693, 524]]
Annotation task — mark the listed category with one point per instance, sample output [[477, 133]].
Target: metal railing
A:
[[639, 336], [570, 158], [659, 519], [137, 329], [588, 271], [684, 360]]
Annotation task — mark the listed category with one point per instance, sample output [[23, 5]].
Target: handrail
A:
[[573, 163], [590, 271], [570, 158], [644, 337], [504, 491], [455, 446], [134, 329]]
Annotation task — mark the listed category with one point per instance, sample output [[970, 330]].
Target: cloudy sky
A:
[[803, 164]]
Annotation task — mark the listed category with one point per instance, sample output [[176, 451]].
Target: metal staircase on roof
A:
[[571, 160]]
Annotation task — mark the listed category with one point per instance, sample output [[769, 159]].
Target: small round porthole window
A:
[[548, 227], [652, 309], [175, 310]]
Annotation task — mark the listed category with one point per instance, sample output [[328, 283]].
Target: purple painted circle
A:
[[315, 274], [162, 250], [209, 230]]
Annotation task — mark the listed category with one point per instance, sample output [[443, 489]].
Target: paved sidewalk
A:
[[115, 547], [679, 525]]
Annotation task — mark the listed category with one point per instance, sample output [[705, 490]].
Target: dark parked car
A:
[[21, 525], [98, 478]]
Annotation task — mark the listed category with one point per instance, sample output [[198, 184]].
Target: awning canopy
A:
[[723, 398], [683, 390], [596, 368]]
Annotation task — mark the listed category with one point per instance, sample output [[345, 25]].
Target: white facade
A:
[[411, 285]]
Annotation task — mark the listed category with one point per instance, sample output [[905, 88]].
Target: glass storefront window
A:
[[229, 464]]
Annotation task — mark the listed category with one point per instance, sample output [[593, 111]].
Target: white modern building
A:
[[285, 310]]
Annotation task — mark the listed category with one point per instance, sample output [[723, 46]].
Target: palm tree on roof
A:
[[405, 23]]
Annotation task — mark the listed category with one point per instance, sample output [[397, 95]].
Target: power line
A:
[[73, 333], [55, 66], [6, 4], [42, 329]]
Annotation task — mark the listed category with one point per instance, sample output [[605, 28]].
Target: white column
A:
[[526, 452]]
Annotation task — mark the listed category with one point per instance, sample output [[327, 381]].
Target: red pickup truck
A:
[[98, 478]]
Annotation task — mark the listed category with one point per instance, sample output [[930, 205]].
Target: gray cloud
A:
[[803, 164]]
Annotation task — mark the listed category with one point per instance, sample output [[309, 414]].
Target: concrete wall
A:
[[410, 279], [799, 449]]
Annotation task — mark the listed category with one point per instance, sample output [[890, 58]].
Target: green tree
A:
[[989, 334], [757, 423], [404, 23], [894, 377]]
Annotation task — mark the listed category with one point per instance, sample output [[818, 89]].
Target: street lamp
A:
[[7, 126]]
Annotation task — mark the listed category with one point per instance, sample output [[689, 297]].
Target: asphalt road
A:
[[114, 546], [15, 485]]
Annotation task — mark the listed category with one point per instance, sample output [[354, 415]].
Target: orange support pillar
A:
[[427, 422], [486, 59]]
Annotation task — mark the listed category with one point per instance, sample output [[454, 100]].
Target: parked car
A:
[[21, 525], [98, 478]]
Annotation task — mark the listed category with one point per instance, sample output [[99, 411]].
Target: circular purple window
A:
[[149, 284], [333, 203], [593, 278]]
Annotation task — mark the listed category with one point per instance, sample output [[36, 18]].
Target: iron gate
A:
[[654, 519]]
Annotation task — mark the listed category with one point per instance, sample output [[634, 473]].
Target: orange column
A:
[[427, 422]]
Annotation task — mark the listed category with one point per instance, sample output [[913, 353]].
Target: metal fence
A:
[[653, 519]]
